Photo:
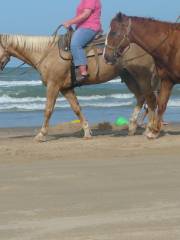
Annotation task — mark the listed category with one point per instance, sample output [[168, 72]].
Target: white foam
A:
[[118, 80], [20, 83], [93, 97], [107, 105], [6, 99], [99, 97], [122, 96], [41, 106], [36, 83], [22, 107], [174, 103]]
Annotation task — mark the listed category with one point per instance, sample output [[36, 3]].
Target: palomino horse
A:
[[159, 39], [43, 54]]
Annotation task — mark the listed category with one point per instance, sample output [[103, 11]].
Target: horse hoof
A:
[[151, 135], [40, 138], [88, 137], [131, 133], [87, 134], [132, 128]]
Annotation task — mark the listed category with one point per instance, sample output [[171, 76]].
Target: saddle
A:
[[93, 49], [96, 45]]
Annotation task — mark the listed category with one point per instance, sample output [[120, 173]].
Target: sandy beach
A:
[[108, 188]]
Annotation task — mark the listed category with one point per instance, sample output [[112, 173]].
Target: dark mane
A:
[[120, 16]]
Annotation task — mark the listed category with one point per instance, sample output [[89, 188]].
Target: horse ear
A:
[[119, 16]]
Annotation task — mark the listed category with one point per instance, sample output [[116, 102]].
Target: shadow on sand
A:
[[74, 131]]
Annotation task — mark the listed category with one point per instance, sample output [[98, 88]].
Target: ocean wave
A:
[[20, 83], [99, 97], [35, 83], [7, 99], [35, 104], [118, 80], [41, 106], [174, 103], [107, 105], [122, 95], [93, 97]]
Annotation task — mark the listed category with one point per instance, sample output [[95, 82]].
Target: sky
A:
[[41, 17]]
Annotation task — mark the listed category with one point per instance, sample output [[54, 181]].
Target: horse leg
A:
[[133, 86], [133, 120], [165, 91], [72, 99], [152, 105], [52, 93]]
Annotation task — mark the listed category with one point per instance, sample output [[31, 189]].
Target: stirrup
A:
[[80, 80]]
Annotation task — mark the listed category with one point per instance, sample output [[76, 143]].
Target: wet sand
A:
[[108, 188]]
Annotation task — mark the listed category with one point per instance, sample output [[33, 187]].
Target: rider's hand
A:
[[67, 24]]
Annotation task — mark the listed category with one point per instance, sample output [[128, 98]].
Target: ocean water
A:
[[23, 96]]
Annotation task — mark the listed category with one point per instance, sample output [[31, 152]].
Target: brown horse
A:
[[43, 54], [160, 39]]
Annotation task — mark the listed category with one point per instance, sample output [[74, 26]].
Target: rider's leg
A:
[[80, 39]]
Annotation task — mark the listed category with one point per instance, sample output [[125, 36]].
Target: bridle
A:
[[125, 38], [117, 53]]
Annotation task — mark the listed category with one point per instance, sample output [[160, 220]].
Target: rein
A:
[[65, 38], [50, 45], [54, 35]]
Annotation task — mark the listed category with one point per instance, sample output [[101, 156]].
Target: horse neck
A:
[[149, 34], [29, 49]]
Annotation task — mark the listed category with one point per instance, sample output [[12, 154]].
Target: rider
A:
[[88, 24]]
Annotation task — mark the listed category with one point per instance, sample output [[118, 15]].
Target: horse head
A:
[[117, 40], [4, 56]]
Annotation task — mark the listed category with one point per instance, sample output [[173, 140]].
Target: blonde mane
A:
[[29, 43]]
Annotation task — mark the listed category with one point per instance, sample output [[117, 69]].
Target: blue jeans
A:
[[80, 38]]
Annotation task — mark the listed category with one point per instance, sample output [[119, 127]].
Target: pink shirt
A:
[[94, 20]]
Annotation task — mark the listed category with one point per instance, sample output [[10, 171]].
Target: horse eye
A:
[[112, 34]]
